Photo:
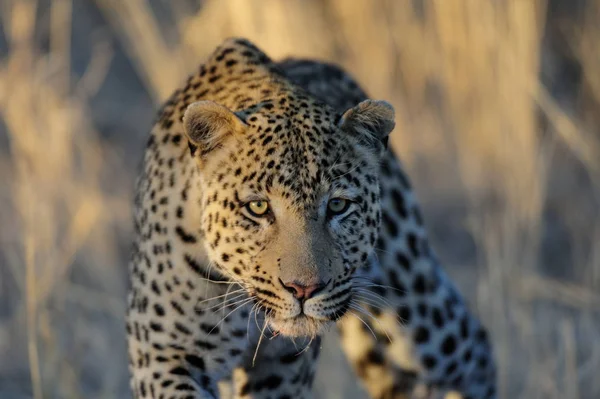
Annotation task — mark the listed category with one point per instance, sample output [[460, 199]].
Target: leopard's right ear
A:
[[370, 122], [207, 125]]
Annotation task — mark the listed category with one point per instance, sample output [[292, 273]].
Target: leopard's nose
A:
[[301, 291]]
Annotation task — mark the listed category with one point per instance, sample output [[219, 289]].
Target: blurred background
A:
[[498, 106]]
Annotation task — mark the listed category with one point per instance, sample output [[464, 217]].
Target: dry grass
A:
[[509, 179]]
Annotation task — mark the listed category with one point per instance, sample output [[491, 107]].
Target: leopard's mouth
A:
[[306, 324], [302, 318]]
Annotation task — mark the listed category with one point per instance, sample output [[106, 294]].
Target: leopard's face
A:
[[290, 209]]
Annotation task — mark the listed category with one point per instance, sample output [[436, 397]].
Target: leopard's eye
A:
[[258, 208], [337, 206]]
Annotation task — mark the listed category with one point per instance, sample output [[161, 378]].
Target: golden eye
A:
[[337, 206], [258, 208]]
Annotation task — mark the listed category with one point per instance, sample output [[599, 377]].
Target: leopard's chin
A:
[[299, 326]]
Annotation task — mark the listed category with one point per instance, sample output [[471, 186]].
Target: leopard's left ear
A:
[[371, 122], [208, 125]]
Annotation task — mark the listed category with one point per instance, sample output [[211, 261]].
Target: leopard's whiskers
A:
[[371, 302], [228, 314], [306, 347], [235, 301], [370, 283], [375, 296], [366, 312], [359, 308], [259, 342], [365, 323], [220, 296]]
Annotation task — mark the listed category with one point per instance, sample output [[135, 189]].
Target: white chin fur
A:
[[300, 326]]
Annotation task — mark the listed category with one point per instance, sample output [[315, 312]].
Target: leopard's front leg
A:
[[180, 348]]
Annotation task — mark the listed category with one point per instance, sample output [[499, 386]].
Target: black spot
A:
[[419, 284], [377, 287], [205, 382], [195, 266], [185, 237], [289, 358], [205, 345], [448, 346], [238, 333], [210, 329], [195, 361], [390, 226], [421, 335], [159, 310], [272, 382], [438, 318], [403, 260], [177, 307], [464, 327], [405, 314], [180, 371], [399, 203], [413, 244], [182, 328], [481, 335], [375, 357], [429, 361], [468, 355], [400, 289], [166, 383], [184, 387]]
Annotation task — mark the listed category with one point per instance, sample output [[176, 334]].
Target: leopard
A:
[[270, 211]]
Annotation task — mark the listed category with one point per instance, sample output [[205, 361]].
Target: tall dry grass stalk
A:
[[490, 54], [464, 78], [58, 203]]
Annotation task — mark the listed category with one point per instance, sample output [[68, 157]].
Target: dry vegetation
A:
[[508, 168]]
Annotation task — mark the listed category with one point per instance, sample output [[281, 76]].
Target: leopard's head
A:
[[290, 200]]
